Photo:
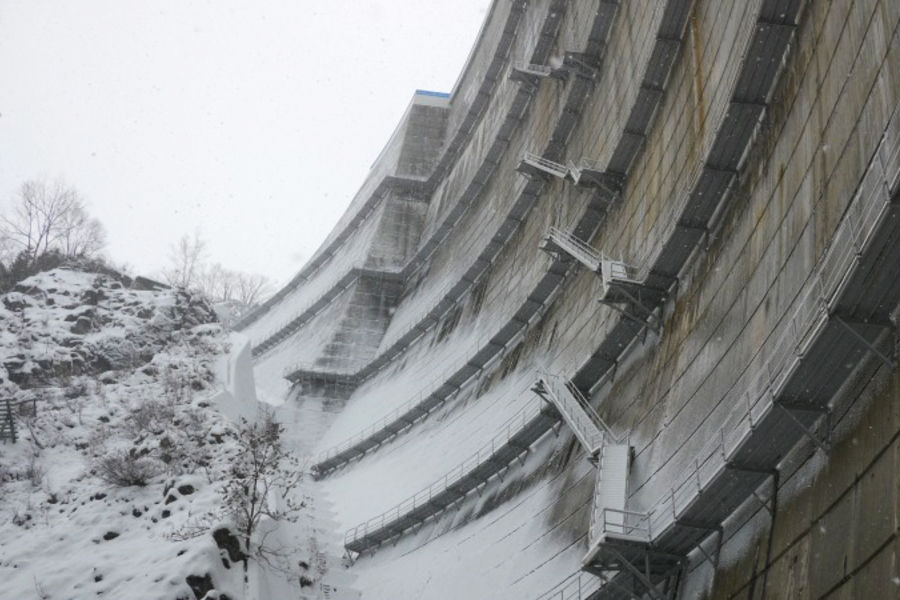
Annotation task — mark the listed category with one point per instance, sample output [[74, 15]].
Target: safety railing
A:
[[585, 164], [539, 70], [577, 586], [798, 333], [408, 408], [546, 165], [411, 405], [590, 429], [455, 476], [628, 524], [577, 248]]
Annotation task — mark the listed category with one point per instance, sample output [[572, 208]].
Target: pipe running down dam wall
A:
[[617, 317]]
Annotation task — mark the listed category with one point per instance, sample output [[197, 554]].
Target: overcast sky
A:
[[252, 121]]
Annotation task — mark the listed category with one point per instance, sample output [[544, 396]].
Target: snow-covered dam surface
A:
[[616, 317]]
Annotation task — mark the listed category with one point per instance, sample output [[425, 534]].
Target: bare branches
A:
[[261, 479], [50, 216], [186, 261], [189, 269]]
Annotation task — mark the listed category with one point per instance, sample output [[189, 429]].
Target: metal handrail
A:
[[561, 387], [807, 320], [542, 70], [512, 427], [592, 257], [588, 432], [434, 385], [574, 587], [555, 168]]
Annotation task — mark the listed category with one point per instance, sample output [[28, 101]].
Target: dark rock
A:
[[16, 302], [171, 499], [228, 542], [92, 297], [166, 514], [82, 326], [186, 489], [110, 535], [200, 585], [136, 513]]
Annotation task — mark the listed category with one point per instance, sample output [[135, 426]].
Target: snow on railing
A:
[[811, 314], [432, 298], [513, 426], [405, 408], [286, 324], [590, 429], [411, 404]]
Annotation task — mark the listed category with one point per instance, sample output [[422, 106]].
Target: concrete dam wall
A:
[[616, 318]]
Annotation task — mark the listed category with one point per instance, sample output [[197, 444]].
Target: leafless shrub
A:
[[125, 469], [34, 470]]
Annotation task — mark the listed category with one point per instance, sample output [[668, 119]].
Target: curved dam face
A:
[[616, 318]]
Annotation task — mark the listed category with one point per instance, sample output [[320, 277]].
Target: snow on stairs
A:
[[587, 425], [513, 442]]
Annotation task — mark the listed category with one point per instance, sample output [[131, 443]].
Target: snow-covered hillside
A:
[[123, 400]]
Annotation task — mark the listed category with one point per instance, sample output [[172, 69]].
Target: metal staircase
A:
[[622, 283], [618, 538], [584, 421], [561, 244]]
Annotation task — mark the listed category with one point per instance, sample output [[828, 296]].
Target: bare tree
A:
[[189, 269], [220, 284], [262, 479], [49, 216], [252, 288], [80, 234], [187, 262]]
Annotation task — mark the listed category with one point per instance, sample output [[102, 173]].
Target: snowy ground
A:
[[99, 375]]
